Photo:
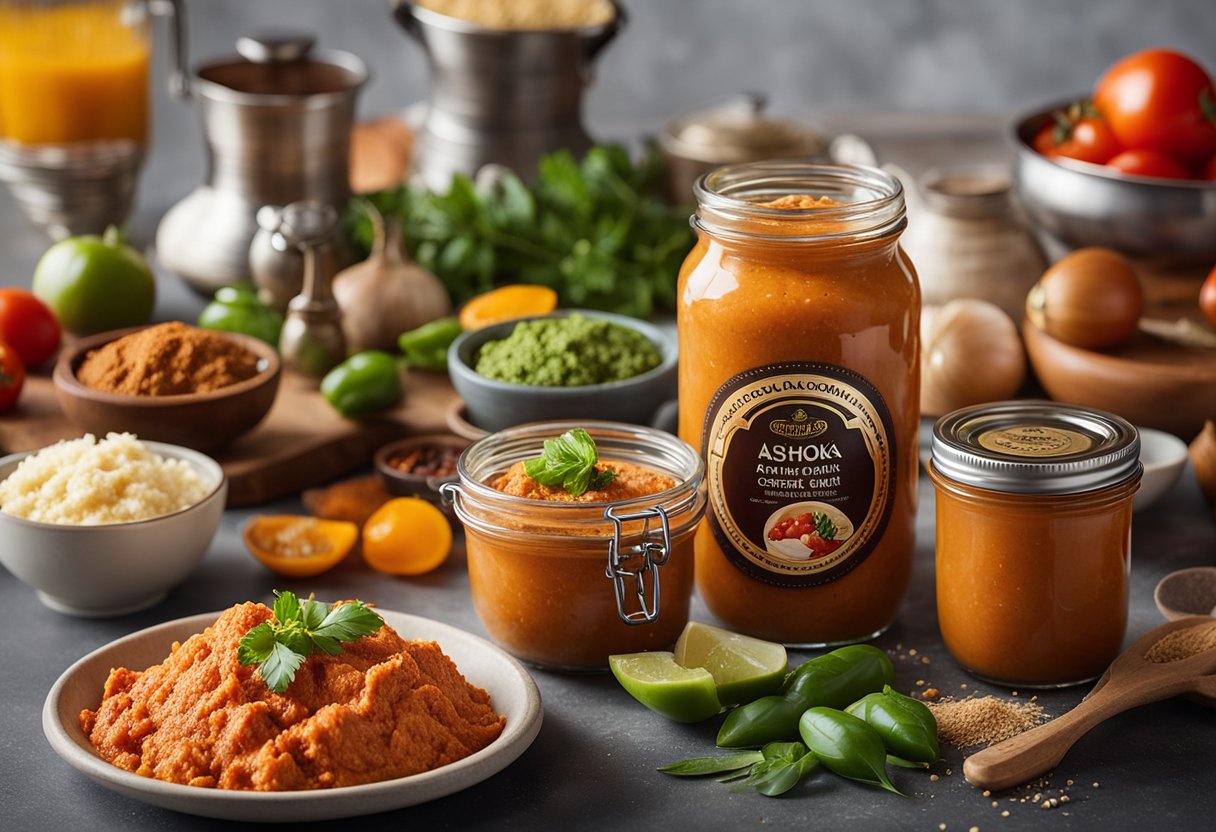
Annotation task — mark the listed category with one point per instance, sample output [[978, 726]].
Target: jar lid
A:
[[1035, 447]]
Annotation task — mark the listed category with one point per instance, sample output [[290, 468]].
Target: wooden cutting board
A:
[[301, 443]]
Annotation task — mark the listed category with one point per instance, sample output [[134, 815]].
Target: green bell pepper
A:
[[362, 384], [239, 309], [833, 680], [427, 346]]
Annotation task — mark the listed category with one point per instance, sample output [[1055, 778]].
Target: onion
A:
[[1090, 299], [387, 294], [971, 353]]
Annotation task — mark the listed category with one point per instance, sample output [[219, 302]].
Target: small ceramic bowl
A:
[[116, 568], [401, 484], [494, 405], [202, 421], [1163, 456]]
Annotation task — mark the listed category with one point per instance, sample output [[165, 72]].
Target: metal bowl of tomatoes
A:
[[1088, 204], [1131, 165]]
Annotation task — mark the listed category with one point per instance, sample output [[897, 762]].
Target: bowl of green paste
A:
[[573, 364]]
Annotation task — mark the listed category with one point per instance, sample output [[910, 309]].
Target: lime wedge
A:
[[744, 668], [685, 694]]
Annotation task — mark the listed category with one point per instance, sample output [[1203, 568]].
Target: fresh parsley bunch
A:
[[568, 462], [597, 230], [298, 630]]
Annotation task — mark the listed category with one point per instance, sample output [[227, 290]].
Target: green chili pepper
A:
[[846, 745], [905, 724], [427, 346], [833, 680], [362, 384], [238, 309]]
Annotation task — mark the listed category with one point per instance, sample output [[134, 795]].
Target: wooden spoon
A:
[[1131, 680]]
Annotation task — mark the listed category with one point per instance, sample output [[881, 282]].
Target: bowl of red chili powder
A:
[[168, 382]]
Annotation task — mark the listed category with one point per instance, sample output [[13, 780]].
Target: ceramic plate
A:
[[513, 694]]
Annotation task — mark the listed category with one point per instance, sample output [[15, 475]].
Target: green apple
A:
[[94, 284]]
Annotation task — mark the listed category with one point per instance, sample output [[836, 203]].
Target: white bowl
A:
[[1163, 456], [116, 568]]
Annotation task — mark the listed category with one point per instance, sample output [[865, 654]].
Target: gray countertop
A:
[[593, 764]]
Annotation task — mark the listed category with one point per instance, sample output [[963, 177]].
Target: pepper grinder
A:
[[312, 343]]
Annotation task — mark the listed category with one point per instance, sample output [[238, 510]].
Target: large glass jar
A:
[[1034, 514], [564, 585], [799, 382]]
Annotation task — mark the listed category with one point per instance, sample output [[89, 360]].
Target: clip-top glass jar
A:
[[1034, 513], [799, 381], [564, 585]]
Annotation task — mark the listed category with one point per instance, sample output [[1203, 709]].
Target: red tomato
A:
[[1160, 100], [1149, 163], [12, 376], [1207, 297], [1080, 134], [28, 326], [1209, 170]]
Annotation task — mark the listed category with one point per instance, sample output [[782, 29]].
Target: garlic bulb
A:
[[387, 294], [970, 353]]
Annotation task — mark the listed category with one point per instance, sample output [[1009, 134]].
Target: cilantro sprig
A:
[[569, 462], [299, 629]]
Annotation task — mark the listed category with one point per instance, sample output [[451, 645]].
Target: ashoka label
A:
[[800, 471]]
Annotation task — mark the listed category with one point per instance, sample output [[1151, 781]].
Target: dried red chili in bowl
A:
[[418, 465]]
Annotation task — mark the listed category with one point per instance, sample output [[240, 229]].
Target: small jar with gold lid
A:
[[1034, 512]]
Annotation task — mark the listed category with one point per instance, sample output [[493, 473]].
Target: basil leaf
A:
[[783, 766], [568, 461], [902, 763], [699, 766]]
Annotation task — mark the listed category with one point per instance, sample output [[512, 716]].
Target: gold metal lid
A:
[[1035, 447]]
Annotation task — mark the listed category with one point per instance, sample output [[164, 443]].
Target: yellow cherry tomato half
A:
[[297, 546], [406, 536]]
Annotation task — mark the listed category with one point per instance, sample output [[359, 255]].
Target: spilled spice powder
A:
[[1182, 644], [167, 359], [983, 720]]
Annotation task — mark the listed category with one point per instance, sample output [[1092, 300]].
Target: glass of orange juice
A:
[[74, 71]]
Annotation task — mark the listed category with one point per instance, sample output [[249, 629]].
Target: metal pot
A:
[[277, 119], [500, 96], [730, 134]]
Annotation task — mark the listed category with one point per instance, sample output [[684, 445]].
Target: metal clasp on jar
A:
[[634, 564]]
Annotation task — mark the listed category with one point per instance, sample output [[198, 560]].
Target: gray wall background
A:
[[811, 57]]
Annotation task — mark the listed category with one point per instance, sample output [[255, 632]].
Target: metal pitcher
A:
[[277, 119], [500, 96]]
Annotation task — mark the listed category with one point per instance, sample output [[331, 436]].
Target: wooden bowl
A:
[[1148, 381], [401, 484], [202, 421]]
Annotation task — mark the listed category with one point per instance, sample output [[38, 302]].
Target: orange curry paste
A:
[[537, 577], [799, 383], [382, 708]]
